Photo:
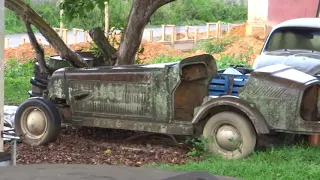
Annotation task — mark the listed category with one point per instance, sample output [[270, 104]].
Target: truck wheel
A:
[[38, 120], [230, 135]]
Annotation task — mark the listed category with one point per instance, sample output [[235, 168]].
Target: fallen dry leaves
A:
[[84, 145]]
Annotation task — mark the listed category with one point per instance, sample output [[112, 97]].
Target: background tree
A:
[[139, 16]]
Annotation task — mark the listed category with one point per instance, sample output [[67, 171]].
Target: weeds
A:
[[214, 46], [165, 59], [17, 82], [199, 145], [232, 59]]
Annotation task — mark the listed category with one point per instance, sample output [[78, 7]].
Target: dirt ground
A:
[[243, 45], [83, 145]]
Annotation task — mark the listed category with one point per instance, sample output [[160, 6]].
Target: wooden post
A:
[[174, 32], [218, 29], [208, 30], [172, 38], [6, 43], [163, 32], [2, 30], [196, 37], [23, 40], [65, 36], [229, 27], [75, 36], [61, 23], [265, 31], [106, 18], [187, 32], [85, 36], [150, 35]]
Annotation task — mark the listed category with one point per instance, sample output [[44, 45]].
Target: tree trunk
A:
[[139, 16], [24, 11]]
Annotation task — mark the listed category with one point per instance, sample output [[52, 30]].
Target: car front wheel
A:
[[230, 135], [38, 120]]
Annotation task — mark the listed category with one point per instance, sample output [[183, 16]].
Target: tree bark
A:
[[108, 52], [23, 10], [139, 16]]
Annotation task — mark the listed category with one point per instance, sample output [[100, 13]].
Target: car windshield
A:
[[294, 39]]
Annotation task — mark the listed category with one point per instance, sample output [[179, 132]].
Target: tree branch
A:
[[38, 49], [20, 8], [109, 52]]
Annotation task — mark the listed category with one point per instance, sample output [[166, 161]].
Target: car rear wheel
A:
[[38, 120], [230, 135]]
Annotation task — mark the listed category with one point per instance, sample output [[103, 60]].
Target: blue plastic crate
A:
[[226, 84]]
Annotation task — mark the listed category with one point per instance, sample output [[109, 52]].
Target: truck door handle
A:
[[81, 95]]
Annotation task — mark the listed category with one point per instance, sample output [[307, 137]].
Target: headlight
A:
[[310, 103]]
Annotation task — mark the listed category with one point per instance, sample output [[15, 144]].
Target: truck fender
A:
[[254, 115]]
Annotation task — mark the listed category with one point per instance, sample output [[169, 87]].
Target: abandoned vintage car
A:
[[174, 99], [295, 43]]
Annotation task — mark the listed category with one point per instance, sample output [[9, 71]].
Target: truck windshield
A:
[[294, 39]]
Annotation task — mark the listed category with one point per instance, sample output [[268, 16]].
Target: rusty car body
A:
[[294, 43], [155, 98], [174, 99]]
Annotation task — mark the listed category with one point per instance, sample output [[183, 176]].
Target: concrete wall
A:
[[290, 9], [257, 11]]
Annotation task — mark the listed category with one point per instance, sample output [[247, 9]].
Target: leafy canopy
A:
[[78, 9]]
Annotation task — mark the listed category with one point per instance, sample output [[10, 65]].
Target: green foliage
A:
[[233, 59], [288, 163], [165, 59], [215, 46], [17, 82], [80, 8], [199, 145], [85, 14], [192, 12]]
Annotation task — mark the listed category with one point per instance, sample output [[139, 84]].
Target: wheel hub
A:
[[36, 122], [228, 137]]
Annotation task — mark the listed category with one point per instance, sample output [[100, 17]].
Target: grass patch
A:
[[17, 82], [296, 162]]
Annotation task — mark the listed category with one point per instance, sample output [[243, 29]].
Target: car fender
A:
[[254, 115]]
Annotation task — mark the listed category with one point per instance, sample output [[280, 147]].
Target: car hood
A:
[[307, 62]]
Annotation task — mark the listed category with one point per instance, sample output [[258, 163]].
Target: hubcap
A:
[[227, 136], [34, 123]]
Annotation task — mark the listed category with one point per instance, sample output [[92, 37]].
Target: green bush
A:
[[165, 59], [192, 12], [180, 12], [233, 59], [17, 82]]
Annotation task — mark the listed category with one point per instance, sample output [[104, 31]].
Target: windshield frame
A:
[[294, 30]]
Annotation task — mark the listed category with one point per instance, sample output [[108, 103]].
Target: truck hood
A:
[[307, 62]]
